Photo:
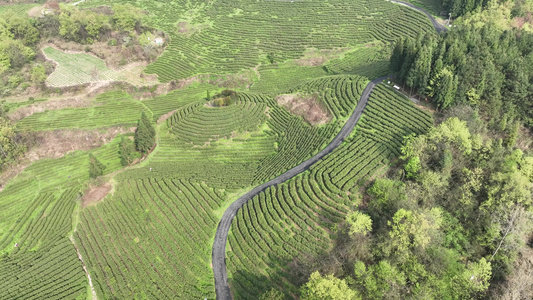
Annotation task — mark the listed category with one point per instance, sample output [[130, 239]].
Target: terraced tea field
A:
[[297, 217], [106, 110], [75, 69], [17, 9], [152, 235], [229, 36]]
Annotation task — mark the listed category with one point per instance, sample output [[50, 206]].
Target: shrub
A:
[[96, 168]]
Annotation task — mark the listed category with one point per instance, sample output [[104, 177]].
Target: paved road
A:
[[221, 237], [219, 246], [439, 27]]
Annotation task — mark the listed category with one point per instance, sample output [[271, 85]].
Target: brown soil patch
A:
[[243, 79], [166, 116], [312, 61], [57, 143], [146, 92], [131, 72], [36, 11], [95, 194], [115, 57], [314, 57], [183, 27], [519, 22], [306, 106], [29, 110], [188, 29]]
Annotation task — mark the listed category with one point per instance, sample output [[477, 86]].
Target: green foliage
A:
[[270, 57], [81, 26], [10, 145], [412, 167], [474, 65], [38, 75], [144, 135], [22, 28], [445, 85], [410, 230], [461, 7], [327, 288], [273, 294], [293, 219], [475, 279], [112, 42], [127, 17], [512, 138], [126, 150], [379, 281], [457, 227], [96, 168], [221, 102], [359, 223], [13, 54], [387, 196]]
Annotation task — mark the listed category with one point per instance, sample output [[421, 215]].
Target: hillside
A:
[[233, 149]]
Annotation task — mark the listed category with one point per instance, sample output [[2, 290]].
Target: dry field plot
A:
[[74, 69]]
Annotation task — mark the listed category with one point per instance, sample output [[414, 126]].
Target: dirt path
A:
[[85, 269], [222, 288], [76, 3]]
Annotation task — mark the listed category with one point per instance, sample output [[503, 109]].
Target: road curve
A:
[[219, 246], [439, 27]]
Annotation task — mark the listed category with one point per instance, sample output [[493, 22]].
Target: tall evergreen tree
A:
[[409, 53], [144, 134], [397, 57], [445, 94], [423, 69], [126, 151], [96, 168]]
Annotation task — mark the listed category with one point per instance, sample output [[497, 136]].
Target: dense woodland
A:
[[480, 67], [453, 223]]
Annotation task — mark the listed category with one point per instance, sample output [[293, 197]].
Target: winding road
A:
[[219, 246]]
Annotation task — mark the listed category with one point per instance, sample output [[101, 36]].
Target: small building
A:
[[159, 41]]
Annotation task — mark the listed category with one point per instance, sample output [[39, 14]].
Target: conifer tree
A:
[[397, 57], [144, 134], [126, 151], [409, 53], [422, 67], [96, 168], [445, 94]]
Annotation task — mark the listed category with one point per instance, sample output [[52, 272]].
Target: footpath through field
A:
[[219, 246]]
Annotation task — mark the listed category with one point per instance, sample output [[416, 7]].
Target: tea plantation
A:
[[151, 236]]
